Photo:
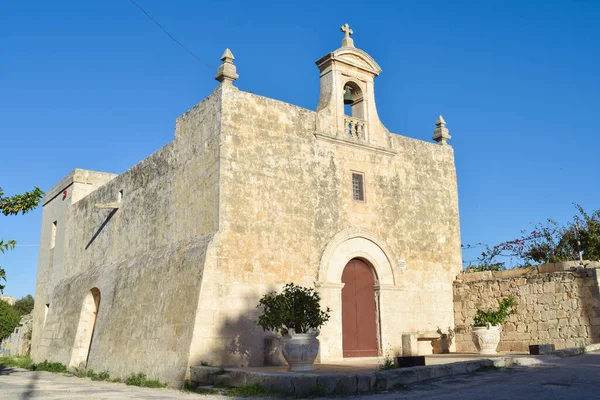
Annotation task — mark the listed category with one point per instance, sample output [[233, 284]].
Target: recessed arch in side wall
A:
[[85, 329]]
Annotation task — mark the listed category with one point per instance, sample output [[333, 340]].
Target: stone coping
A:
[[563, 266], [344, 382], [77, 176]]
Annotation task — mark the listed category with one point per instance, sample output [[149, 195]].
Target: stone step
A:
[[326, 384]]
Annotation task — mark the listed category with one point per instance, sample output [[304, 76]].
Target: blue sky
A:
[[96, 85]]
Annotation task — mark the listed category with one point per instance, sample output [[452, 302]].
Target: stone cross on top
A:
[[347, 41]]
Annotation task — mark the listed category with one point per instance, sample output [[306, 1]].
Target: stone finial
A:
[[227, 71], [440, 133], [347, 41]]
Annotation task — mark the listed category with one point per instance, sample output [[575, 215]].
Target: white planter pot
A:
[[486, 338], [300, 350]]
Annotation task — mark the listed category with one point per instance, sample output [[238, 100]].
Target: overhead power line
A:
[[168, 34]]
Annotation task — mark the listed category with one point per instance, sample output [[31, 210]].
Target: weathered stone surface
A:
[[347, 384], [556, 307], [305, 385], [365, 382], [252, 194], [204, 375], [327, 384]]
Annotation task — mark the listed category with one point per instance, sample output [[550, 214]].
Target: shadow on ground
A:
[[30, 391], [6, 370]]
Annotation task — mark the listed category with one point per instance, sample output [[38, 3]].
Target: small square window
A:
[[358, 190]]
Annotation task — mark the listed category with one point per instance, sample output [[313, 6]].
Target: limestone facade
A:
[[170, 258], [561, 307]]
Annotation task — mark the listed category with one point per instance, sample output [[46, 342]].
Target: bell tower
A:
[[347, 100]]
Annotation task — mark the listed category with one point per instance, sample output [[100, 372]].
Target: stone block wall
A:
[[19, 342], [560, 308]]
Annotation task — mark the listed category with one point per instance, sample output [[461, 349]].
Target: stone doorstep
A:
[[310, 384]]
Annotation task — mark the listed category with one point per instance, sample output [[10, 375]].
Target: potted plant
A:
[[296, 314], [487, 326]]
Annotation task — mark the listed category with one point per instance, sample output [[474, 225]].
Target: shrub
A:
[[388, 363], [9, 319], [102, 376], [296, 307], [549, 242], [140, 379], [49, 366], [24, 305], [18, 362], [495, 317], [253, 390]]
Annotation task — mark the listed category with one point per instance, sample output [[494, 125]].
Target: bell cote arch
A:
[[347, 76]]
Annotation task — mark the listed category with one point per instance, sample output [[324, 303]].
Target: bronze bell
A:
[[348, 95]]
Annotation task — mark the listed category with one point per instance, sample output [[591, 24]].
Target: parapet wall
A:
[[560, 307]]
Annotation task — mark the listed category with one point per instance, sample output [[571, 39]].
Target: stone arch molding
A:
[[357, 58], [357, 243]]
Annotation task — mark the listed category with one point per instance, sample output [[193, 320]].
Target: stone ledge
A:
[[362, 145], [542, 269], [77, 176], [326, 384]]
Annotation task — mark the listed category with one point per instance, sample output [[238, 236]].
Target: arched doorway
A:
[[359, 312], [85, 329]]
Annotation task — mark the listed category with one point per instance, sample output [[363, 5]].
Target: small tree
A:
[[586, 228], [19, 203], [296, 307], [24, 305], [9, 319], [495, 317]]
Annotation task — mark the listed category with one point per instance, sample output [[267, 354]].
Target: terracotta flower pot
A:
[[486, 338], [300, 350]]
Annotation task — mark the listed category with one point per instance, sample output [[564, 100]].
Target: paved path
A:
[[572, 378], [22, 384], [568, 378]]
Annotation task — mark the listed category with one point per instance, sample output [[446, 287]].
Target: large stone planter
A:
[[486, 338], [300, 350]]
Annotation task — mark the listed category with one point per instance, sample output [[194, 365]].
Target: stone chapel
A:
[[161, 267]]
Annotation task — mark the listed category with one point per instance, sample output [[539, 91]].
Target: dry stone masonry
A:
[[560, 307]]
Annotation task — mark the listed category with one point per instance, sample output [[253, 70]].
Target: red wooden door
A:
[[359, 326]]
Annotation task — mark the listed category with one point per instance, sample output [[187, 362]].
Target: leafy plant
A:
[[19, 203], [495, 317], [387, 363], [549, 242], [102, 376], [88, 373], [296, 308], [49, 366], [18, 362], [24, 305], [9, 319], [253, 390], [142, 380]]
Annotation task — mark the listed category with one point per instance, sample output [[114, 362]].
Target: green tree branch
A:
[[13, 205]]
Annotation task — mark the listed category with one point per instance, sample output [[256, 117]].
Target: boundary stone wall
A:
[[560, 307], [19, 342]]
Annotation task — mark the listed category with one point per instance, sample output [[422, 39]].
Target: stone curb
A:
[[573, 351], [310, 384]]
